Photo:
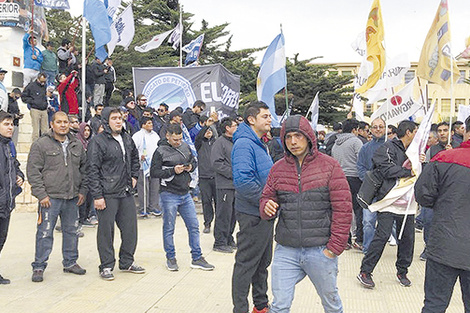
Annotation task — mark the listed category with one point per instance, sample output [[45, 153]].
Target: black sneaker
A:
[[423, 256], [107, 274], [4, 281], [223, 249], [172, 265], [366, 280], [207, 229], [202, 264], [403, 280], [134, 268], [38, 275], [75, 269]]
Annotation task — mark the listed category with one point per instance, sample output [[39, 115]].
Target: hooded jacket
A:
[[443, 187], [314, 200], [29, 62], [9, 170], [250, 168], [68, 95], [345, 151], [110, 173]]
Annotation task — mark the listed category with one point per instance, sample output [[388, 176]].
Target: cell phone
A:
[[212, 110]]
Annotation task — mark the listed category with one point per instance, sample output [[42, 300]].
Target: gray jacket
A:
[[221, 159], [51, 174], [345, 151]]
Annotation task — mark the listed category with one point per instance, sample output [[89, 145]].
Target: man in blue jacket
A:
[[32, 58], [250, 167]]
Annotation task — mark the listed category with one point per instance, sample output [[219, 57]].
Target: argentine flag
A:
[[272, 75]]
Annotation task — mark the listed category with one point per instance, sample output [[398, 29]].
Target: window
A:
[[346, 73], [459, 102], [409, 76], [445, 106], [461, 78], [368, 107]]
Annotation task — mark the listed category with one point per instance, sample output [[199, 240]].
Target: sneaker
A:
[[58, 228], [403, 280], [223, 249], [357, 246], [207, 229], [107, 274], [202, 264], [233, 245], [366, 280], [4, 281], [143, 214], [87, 223], [75, 269], [419, 229], [264, 310], [392, 242], [80, 234], [134, 268], [38, 275], [93, 220], [423, 256], [172, 265], [155, 212]]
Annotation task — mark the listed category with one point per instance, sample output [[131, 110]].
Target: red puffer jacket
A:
[[314, 200]]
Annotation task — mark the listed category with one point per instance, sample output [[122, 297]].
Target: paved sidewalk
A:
[[187, 290]]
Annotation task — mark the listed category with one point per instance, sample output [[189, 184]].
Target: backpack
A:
[[370, 186]]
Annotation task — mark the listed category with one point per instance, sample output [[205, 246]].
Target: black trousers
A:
[[225, 221], [85, 208], [4, 224], [253, 257], [208, 193], [354, 186], [439, 284], [121, 211], [382, 233], [108, 92]]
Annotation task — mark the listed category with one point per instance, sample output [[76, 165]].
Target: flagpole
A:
[[32, 26], [83, 68], [285, 90], [425, 103], [181, 36]]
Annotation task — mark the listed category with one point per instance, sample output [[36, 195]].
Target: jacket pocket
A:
[[110, 184]]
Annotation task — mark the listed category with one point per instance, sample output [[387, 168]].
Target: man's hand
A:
[[19, 181], [188, 168], [100, 204], [142, 157], [271, 208], [81, 199], [134, 182], [45, 203], [34, 57], [448, 146], [422, 157], [329, 254], [179, 169]]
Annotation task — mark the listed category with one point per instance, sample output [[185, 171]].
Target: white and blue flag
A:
[[122, 30], [52, 4], [193, 49], [272, 75], [314, 110], [93, 11]]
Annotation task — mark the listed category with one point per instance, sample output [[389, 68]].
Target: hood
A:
[[245, 131], [298, 123], [105, 119], [342, 138]]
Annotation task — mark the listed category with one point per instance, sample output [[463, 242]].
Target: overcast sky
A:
[[326, 28]]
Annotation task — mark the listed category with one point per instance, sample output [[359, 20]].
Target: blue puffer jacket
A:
[[29, 62], [364, 159], [250, 168]]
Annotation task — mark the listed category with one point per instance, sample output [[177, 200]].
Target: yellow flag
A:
[[435, 61], [375, 48]]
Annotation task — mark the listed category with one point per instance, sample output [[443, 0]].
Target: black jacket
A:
[[98, 73], [443, 186], [221, 159], [109, 173], [433, 150], [190, 119], [14, 110], [388, 161], [204, 148], [163, 166], [35, 95], [9, 169]]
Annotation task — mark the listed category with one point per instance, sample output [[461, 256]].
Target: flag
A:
[[399, 107], [314, 107], [122, 30], [175, 36], [53, 4], [154, 43], [93, 11], [358, 107], [193, 49], [272, 75], [436, 56], [146, 162], [112, 7], [375, 50]]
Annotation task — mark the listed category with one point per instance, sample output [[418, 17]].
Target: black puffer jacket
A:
[[163, 166], [108, 174], [388, 161], [9, 169], [35, 95], [443, 187]]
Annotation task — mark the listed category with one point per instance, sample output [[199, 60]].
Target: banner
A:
[[53, 4], [399, 107], [182, 86], [154, 43], [18, 14]]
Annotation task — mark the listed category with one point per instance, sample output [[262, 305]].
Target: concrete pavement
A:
[[187, 290]]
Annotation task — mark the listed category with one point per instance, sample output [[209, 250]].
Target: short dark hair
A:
[[362, 125], [42, 74], [49, 44], [163, 104], [442, 124], [349, 125], [456, 124], [174, 129], [5, 116], [139, 96], [147, 109], [175, 113], [16, 90], [404, 126], [144, 120], [467, 124], [226, 122], [65, 41], [199, 103], [54, 116], [337, 126], [393, 129], [253, 110]]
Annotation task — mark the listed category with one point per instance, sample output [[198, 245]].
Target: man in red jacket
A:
[[309, 193], [68, 95]]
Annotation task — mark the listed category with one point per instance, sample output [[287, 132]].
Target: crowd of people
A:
[[314, 184]]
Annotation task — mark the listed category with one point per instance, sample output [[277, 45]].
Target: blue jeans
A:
[[290, 265], [50, 75], [369, 219], [171, 204], [68, 212]]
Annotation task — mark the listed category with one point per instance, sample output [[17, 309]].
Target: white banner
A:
[[464, 112], [122, 30]]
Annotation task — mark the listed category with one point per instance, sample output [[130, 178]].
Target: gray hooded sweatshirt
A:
[[345, 151]]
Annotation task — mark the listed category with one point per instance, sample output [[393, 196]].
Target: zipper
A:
[[299, 216], [11, 182]]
